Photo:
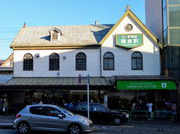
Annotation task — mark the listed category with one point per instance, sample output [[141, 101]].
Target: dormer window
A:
[[55, 34]]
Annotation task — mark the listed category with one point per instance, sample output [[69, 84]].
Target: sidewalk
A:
[[6, 121]]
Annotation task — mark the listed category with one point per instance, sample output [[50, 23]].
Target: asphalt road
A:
[[133, 128]]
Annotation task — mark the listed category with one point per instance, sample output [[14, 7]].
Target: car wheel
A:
[[74, 129], [117, 121], [23, 128]]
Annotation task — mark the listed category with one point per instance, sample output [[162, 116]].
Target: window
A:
[[136, 61], [54, 62], [96, 107], [28, 62], [49, 111], [108, 61], [37, 110], [55, 35], [80, 61], [82, 106]]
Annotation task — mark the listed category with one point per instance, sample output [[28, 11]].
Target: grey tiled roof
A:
[[71, 35], [66, 81], [5, 77]]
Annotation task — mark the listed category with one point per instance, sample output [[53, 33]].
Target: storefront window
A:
[[174, 16], [174, 36], [174, 2]]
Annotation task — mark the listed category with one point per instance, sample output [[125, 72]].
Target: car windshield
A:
[[106, 107], [67, 112]]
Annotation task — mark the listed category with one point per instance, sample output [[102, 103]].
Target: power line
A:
[[6, 39], [11, 28]]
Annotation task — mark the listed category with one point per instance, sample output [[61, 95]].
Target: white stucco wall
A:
[[67, 66], [149, 50]]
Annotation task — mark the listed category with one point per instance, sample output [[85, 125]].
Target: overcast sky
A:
[[13, 14]]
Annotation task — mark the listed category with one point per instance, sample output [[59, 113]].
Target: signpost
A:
[[88, 95]]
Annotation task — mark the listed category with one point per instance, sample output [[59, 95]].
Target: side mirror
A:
[[60, 116]]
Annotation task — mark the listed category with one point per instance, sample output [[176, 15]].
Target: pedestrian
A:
[[133, 106], [70, 105], [1, 103], [173, 109], [5, 106], [149, 105], [40, 102], [64, 103], [164, 109]]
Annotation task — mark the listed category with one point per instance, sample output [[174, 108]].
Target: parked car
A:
[[99, 113], [46, 117]]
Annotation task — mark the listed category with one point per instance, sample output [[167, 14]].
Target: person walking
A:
[[149, 105], [5, 106]]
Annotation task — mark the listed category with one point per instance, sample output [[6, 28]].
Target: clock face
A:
[[128, 27]]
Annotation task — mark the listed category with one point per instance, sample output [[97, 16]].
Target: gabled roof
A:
[[73, 36], [139, 22], [55, 29], [1, 62], [8, 60]]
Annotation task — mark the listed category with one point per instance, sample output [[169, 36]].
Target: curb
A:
[[6, 125]]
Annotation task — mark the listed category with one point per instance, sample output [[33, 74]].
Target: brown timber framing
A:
[[54, 47]]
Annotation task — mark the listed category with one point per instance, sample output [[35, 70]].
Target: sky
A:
[[13, 14]]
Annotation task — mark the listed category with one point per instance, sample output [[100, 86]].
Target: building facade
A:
[[123, 61], [165, 14]]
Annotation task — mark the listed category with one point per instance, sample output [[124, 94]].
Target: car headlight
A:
[[86, 121], [127, 115]]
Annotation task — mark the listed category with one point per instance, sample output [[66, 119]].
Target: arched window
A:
[[136, 61], [80, 61], [54, 61], [28, 62], [108, 61]]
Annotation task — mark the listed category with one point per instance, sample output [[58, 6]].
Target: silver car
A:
[[46, 117]]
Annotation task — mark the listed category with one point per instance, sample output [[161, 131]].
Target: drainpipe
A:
[[100, 63]]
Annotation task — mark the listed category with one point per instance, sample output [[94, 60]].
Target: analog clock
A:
[[128, 27]]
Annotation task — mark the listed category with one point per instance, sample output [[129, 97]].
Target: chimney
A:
[[128, 7], [24, 25], [96, 22]]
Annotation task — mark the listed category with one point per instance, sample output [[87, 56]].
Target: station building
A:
[[123, 61]]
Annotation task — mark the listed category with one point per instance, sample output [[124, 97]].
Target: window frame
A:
[[55, 35], [52, 67], [137, 58], [29, 61], [108, 58], [81, 62]]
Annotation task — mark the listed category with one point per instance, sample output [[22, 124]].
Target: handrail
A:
[[152, 115]]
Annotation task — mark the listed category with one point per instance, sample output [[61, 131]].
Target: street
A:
[[133, 128]]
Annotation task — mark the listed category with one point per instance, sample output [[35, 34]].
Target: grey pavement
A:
[[133, 127]]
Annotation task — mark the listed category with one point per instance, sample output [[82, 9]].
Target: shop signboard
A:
[[129, 40], [146, 85]]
